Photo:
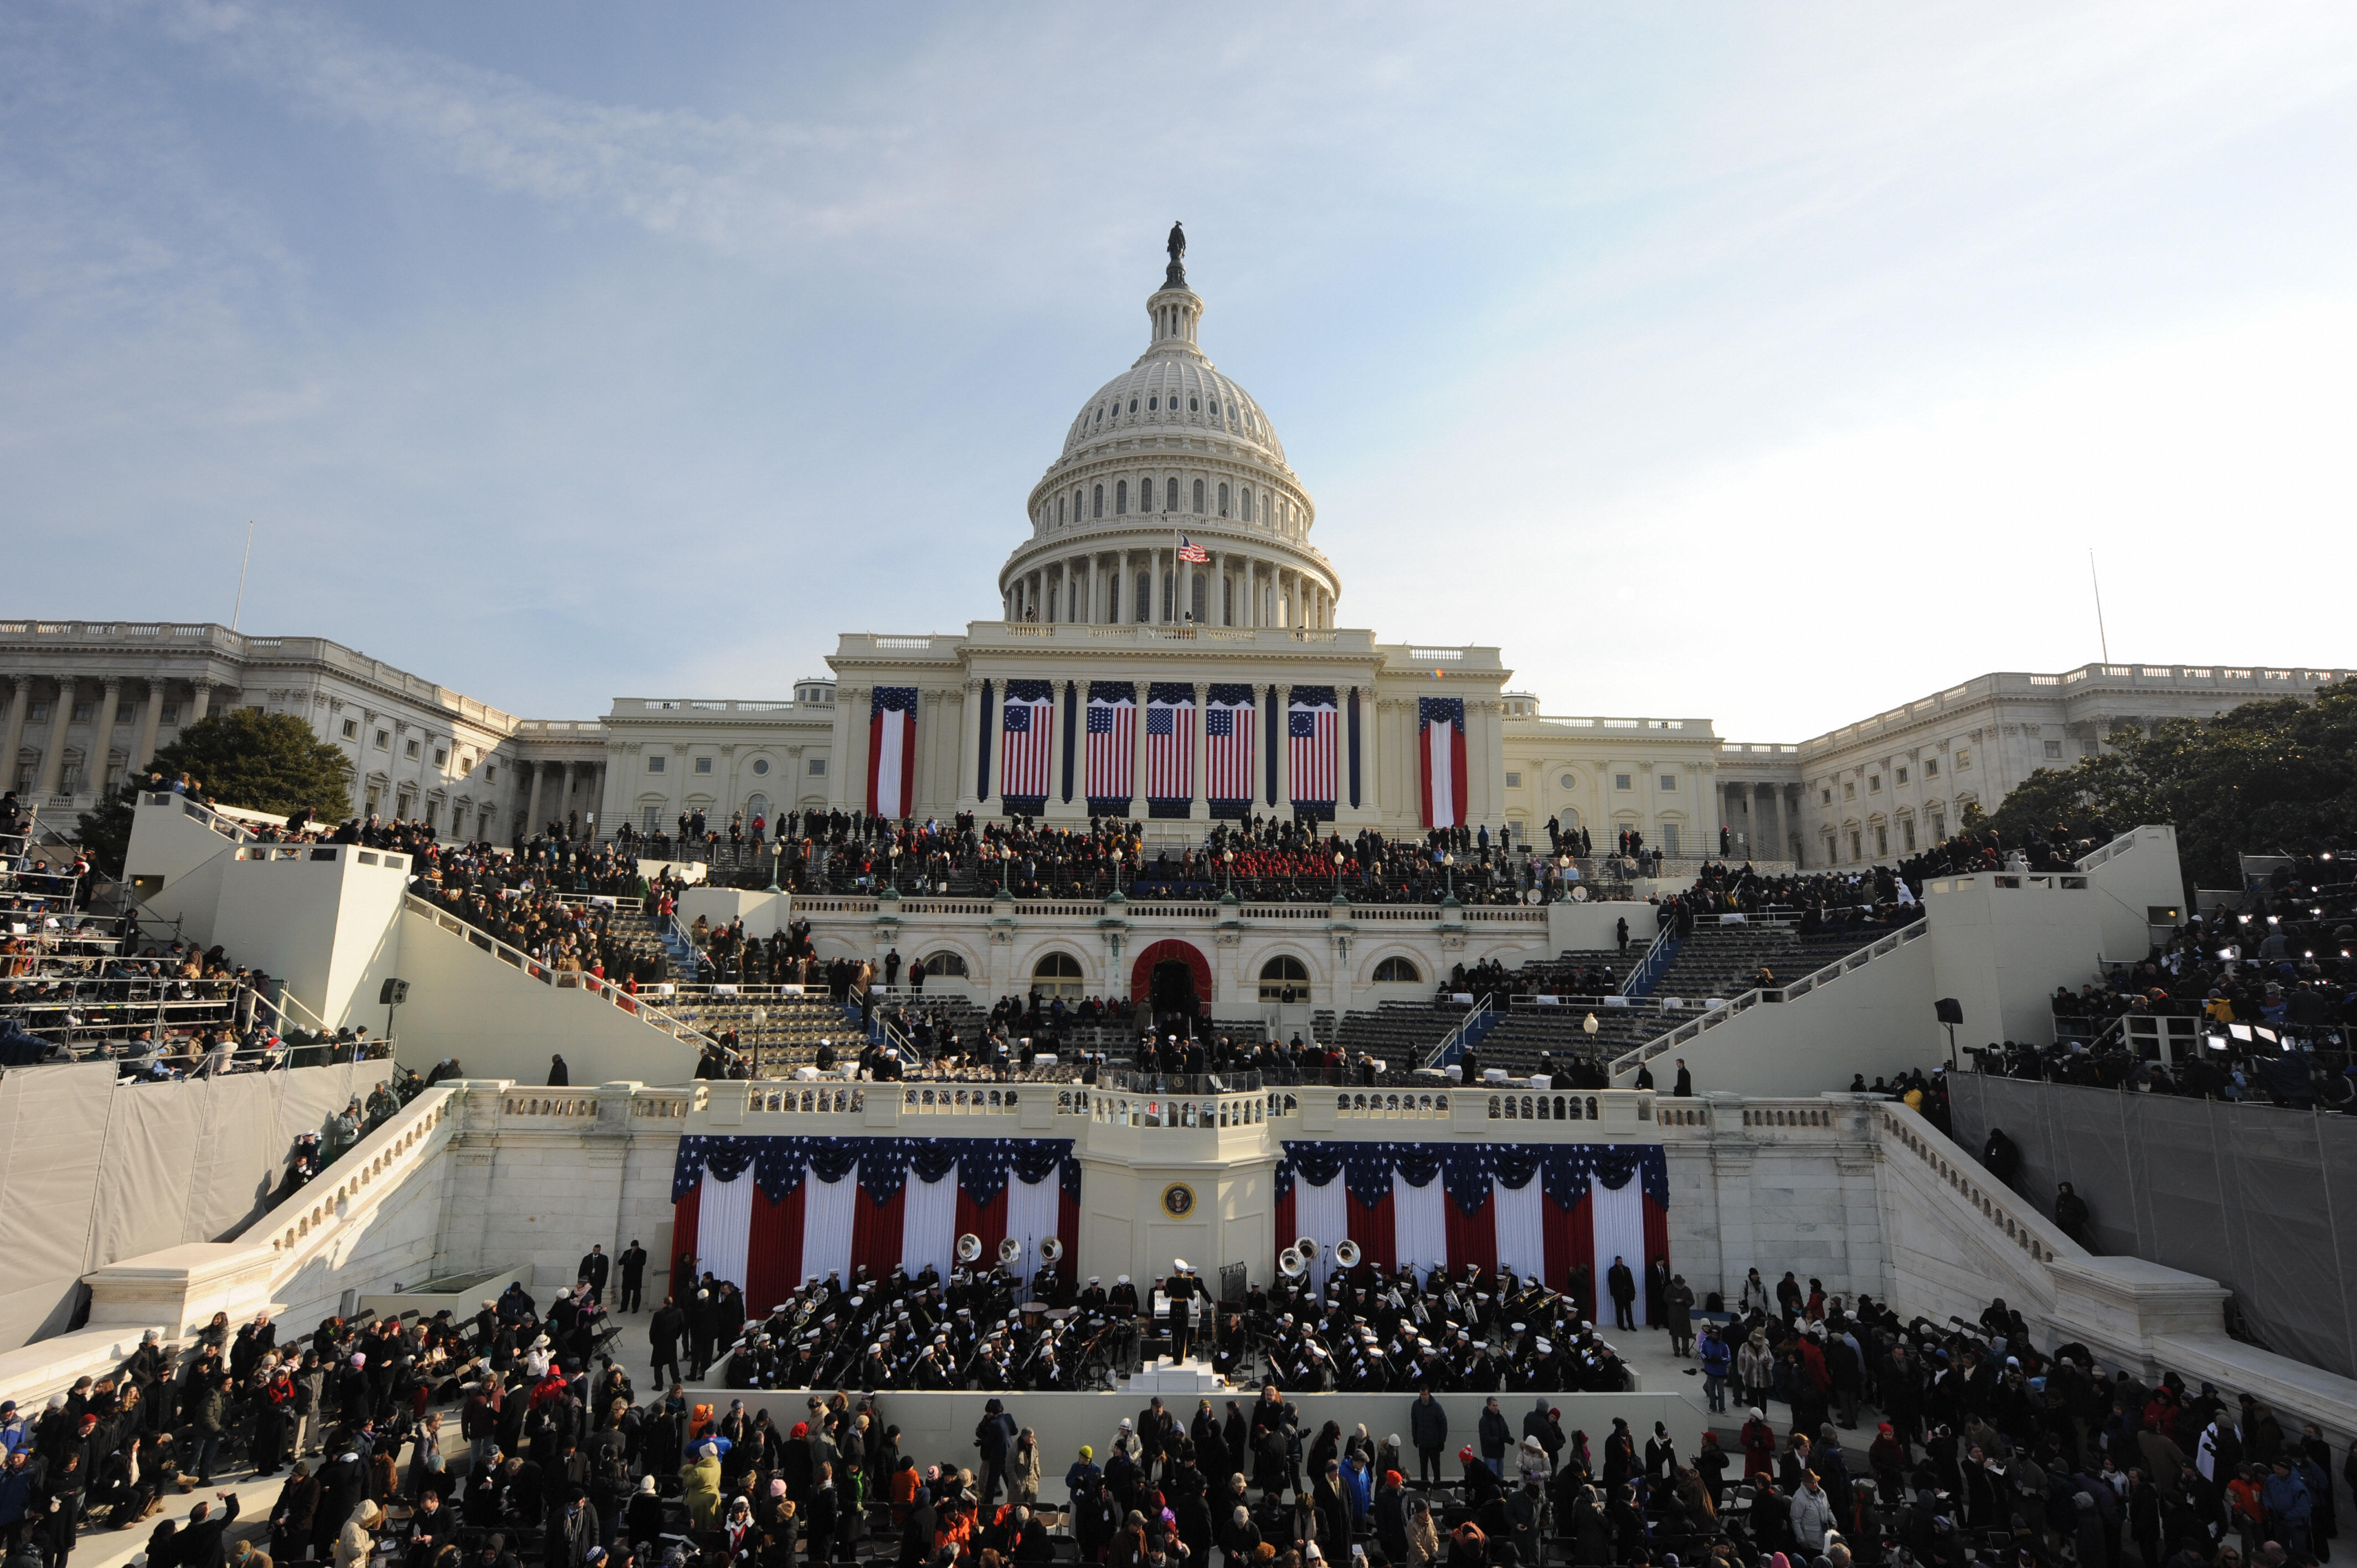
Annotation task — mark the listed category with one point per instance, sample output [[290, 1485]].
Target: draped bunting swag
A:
[[983, 1164]]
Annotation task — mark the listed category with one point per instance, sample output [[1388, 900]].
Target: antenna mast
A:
[[239, 609]]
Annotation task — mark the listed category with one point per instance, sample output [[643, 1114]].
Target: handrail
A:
[[1656, 956], [235, 832], [308, 1222], [1454, 1037], [532, 968], [2111, 850], [1856, 959]]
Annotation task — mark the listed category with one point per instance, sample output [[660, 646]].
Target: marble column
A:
[[102, 747], [13, 739], [1137, 754], [53, 755], [969, 740], [201, 701], [151, 720], [1201, 809], [532, 811]]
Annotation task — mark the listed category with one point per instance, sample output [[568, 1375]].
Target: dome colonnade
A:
[[1169, 450]]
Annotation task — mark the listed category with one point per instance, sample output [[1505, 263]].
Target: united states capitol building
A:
[[1170, 647], [1166, 547]]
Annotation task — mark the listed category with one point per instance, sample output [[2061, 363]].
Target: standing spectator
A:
[[634, 1274], [1621, 1285], [1428, 1428]]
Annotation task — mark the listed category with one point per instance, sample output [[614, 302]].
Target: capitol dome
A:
[[1170, 447]]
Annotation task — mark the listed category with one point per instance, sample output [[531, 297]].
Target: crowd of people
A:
[[2270, 987], [555, 901]]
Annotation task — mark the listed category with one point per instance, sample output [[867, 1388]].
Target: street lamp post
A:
[[1228, 866], [1448, 870], [894, 870], [1338, 873]]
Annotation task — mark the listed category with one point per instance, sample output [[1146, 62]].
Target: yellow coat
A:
[[700, 1482]]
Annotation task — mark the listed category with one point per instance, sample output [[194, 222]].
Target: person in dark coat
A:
[[558, 1075], [1427, 1429], [634, 1275], [199, 1540], [594, 1269], [1621, 1285]]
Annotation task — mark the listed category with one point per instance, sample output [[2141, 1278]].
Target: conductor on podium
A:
[[1184, 1288]]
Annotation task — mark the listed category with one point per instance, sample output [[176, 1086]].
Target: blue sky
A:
[[1775, 365]]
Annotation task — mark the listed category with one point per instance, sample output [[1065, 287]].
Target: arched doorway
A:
[[1172, 976]]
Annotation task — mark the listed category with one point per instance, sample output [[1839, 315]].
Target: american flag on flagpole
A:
[[1192, 552], [1112, 747], [1228, 718], [1029, 727], [1170, 744], [1311, 726]]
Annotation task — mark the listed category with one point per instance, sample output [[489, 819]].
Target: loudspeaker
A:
[[393, 993], [1951, 1011]]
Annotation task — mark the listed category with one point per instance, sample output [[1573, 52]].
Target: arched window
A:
[[1199, 497], [1170, 494], [1191, 405], [1223, 501], [1096, 501], [1132, 405], [1215, 408], [1057, 975], [942, 963], [1284, 979], [1060, 512], [1153, 404], [1244, 503], [1120, 496], [1398, 971], [1145, 600], [1196, 594]]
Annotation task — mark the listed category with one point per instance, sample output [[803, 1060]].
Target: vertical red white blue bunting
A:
[[1312, 733], [1030, 726], [1228, 747], [1113, 747], [1440, 747], [769, 1213], [892, 751], [1170, 750], [1558, 1212]]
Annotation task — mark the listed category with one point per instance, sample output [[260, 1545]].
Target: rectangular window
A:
[[1907, 834], [409, 748], [441, 756], [1902, 776], [1874, 783], [1881, 843], [818, 767], [1669, 838], [38, 711], [385, 740], [1963, 759], [1856, 849], [1624, 782], [1513, 780], [256, 708], [655, 764], [703, 764], [84, 711], [351, 730], [650, 818], [1849, 789], [490, 773], [1931, 767], [1939, 826], [1669, 783], [1824, 797], [2053, 748]]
